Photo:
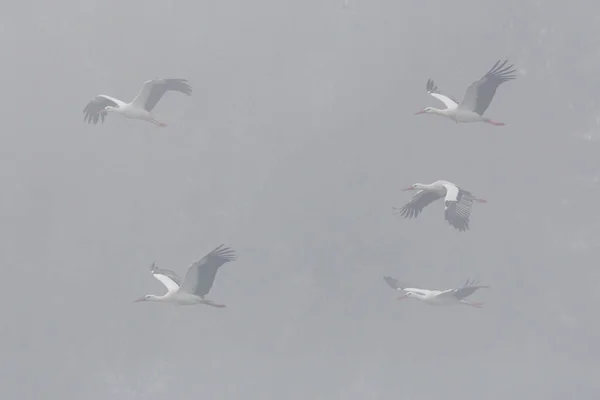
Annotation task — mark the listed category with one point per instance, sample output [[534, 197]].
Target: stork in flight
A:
[[197, 282], [477, 99], [436, 297], [141, 107], [457, 201]]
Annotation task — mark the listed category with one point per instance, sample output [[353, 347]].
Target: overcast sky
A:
[[293, 149]]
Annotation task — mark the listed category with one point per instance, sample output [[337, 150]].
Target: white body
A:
[[141, 107], [457, 202], [128, 110], [477, 98], [457, 114], [197, 283], [436, 297]]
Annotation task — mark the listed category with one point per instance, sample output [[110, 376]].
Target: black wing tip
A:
[[406, 212], [474, 283], [461, 227], [392, 282], [226, 253], [179, 85], [460, 224], [431, 86], [94, 115], [458, 219], [502, 71]]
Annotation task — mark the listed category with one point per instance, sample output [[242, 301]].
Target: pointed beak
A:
[[420, 112], [140, 299], [407, 189], [402, 297]]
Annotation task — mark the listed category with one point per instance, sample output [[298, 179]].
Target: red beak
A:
[[408, 188], [420, 112], [402, 297], [140, 299]]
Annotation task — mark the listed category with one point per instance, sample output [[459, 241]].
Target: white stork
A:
[[477, 99], [437, 297], [141, 107], [457, 202], [197, 282]]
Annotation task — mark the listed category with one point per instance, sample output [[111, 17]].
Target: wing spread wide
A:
[[153, 90], [93, 111], [201, 274], [480, 93], [433, 90], [166, 277], [395, 283], [458, 212], [419, 201], [468, 289]]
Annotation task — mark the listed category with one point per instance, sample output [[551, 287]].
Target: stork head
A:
[[148, 297], [408, 295], [426, 110]]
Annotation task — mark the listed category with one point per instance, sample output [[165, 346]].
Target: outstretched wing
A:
[[468, 289], [432, 89], [480, 93], [153, 91], [419, 201], [93, 111], [201, 274], [458, 212], [395, 283], [166, 277]]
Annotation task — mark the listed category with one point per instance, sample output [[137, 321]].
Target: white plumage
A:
[[457, 201], [477, 98], [436, 297], [141, 107], [197, 283]]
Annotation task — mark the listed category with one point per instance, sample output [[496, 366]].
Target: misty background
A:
[[293, 149]]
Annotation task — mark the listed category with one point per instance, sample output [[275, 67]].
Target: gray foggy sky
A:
[[293, 149]]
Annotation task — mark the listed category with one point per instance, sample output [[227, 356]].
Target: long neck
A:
[[437, 111], [423, 186]]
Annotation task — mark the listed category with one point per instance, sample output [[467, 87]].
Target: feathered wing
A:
[[458, 212], [153, 90], [201, 274], [480, 93], [395, 283], [419, 201], [468, 289], [168, 278], [433, 90], [93, 111]]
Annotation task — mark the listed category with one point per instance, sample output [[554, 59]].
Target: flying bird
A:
[[457, 201], [141, 107], [477, 99], [197, 282], [436, 297]]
